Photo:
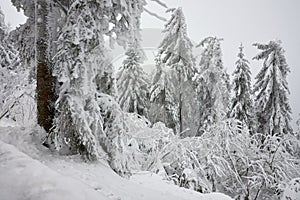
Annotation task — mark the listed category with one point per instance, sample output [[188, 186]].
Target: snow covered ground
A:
[[28, 171]]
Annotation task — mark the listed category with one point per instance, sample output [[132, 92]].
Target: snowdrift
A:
[[36, 173]]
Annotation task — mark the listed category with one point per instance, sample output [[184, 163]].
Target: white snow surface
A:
[[29, 171], [292, 192]]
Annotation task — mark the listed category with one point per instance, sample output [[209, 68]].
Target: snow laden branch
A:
[[225, 158], [155, 15], [160, 3]]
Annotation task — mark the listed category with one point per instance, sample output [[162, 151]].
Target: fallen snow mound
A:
[[28, 171]]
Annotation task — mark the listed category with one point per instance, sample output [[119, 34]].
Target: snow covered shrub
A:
[[181, 164], [227, 159], [201, 163], [146, 141], [114, 139], [17, 104], [272, 166]]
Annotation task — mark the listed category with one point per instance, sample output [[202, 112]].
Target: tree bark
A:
[[180, 113], [45, 81], [180, 105]]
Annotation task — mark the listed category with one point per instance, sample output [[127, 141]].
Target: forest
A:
[[188, 121]]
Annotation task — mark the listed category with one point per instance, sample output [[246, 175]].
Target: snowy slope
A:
[[44, 175], [23, 178]]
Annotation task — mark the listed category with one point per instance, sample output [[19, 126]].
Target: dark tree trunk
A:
[[180, 113], [180, 104], [45, 81]]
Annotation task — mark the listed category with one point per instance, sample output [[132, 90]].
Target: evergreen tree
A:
[[3, 26], [132, 83], [212, 85], [298, 127], [25, 36], [81, 68], [162, 96], [242, 104], [13, 78], [9, 57], [271, 89], [175, 52]]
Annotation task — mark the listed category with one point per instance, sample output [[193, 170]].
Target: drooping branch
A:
[[155, 15], [63, 8], [160, 3]]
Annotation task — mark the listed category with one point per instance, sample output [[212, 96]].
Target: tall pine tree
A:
[[132, 83], [212, 85], [175, 53], [271, 89], [242, 104]]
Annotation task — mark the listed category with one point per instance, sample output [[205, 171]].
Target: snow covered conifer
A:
[[242, 104], [13, 78], [132, 83], [175, 53], [25, 36], [8, 55], [162, 97], [271, 89], [80, 66], [212, 84], [3, 26]]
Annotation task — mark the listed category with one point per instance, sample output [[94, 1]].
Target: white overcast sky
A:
[[236, 21]]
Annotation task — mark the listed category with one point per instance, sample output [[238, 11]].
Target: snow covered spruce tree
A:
[[79, 66], [175, 54], [271, 89], [242, 104], [212, 85], [8, 55], [132, 83], [162, 97], [13, 76]]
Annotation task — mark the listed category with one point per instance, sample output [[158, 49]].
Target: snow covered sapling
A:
[[132, 83], [242, 104], [271, 89]]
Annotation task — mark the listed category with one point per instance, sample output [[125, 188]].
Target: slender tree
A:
[[132, 83], [162, 97], [212, 84], [242, 105], [271, 89], [175, 52]]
